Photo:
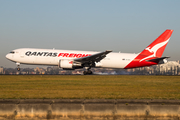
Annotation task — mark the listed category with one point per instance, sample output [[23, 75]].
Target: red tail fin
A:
[[153, 51], [157, 47]]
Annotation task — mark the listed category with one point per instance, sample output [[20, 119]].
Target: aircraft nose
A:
[[8, 56]]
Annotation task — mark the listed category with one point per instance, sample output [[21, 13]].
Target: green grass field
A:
[[89, 87]]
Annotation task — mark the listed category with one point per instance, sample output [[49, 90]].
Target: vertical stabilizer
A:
[[153, 51], [156, 48]]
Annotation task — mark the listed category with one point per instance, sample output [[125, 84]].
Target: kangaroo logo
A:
[[154, 49], [148, 48]]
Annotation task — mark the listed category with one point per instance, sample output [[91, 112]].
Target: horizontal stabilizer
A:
[[157, 59]]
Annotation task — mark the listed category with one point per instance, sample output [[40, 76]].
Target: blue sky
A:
[[119, 25]]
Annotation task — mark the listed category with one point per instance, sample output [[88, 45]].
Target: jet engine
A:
[[68, 64]]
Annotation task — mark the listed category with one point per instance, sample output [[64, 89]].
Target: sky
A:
[[127, 26]]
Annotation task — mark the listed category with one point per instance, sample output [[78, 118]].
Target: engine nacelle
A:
[[68, 64]]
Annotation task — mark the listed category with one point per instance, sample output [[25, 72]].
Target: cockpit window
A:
[[12, 52]]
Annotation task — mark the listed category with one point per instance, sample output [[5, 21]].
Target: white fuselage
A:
[[53, 56], [72, 59]]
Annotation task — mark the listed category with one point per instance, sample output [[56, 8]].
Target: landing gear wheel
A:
[[18, 66], [87, 69], [89, 72], [84, 73], [18, 69]]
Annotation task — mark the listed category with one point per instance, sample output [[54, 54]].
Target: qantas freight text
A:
[[71, 59], [72, 55], [29, 53]]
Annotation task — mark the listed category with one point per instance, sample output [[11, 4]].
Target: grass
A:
[[89, 87]]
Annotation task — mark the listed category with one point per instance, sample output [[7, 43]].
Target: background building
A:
[[170, 68], [1, 70]]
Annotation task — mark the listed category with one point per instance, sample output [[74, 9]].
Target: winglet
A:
[[108, 51]]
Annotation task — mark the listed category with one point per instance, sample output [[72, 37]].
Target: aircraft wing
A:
[[93, 58]]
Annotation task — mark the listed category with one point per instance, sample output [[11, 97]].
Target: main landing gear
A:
[[87, 71], [18, 66]]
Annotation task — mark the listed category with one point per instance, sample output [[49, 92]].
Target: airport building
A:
[[1, 70], [170, 68]]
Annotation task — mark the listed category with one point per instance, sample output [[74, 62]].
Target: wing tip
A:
[[108, 50]]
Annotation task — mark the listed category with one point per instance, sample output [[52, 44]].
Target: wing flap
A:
[[93, 58]]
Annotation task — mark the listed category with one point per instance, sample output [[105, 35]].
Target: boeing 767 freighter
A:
[[72, 59]]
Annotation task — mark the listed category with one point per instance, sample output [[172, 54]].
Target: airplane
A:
[[73, 59]]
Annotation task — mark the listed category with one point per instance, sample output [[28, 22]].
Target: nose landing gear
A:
[[18, 66], [18, 69]]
